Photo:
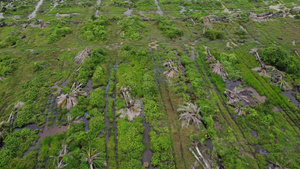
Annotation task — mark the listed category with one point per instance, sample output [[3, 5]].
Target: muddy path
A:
[[50, 110], [147, 155], [114, 111], [290, 95], [171, 112], [230, 84], [252, 37], [161, 69], [106, 118], [157, 80], [181, 67]]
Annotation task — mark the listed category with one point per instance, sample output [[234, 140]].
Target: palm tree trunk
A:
[[197, 158], [206, 163], [10, 117]]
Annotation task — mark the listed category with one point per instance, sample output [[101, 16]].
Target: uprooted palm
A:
[[133, 106], [218, 69], [254, 51], [235, 96], [264, 69], [92, 157], [190, 113], [279, 81], [70, 100], [172, 70], [209, 57]]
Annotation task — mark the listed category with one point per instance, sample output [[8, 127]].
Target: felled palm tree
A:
[[172, 70], [189, 113], [58, 162], [209, 57], [264, 69], [235, 96], [5, 125], [254, 51], [195, 165], [239, 109], [17, 106], [199, 157], [133, 106], [4, 128], [218, 69], [92, 157], [284, 85], [82, 55], [279, 81], [125, 93], [277, 165], [70, 100], [206, 24]]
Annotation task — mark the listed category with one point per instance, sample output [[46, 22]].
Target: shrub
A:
[[11, 40], [94, 29], [240, 32], [169, 28], [58, 33], [276, 56], [6, 65], [99, 78], [97, 56], [37, 66], [133, 28], [214, 34], [16, 143], [97, 98]]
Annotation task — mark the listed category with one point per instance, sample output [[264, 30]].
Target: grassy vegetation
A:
[[190, 53]]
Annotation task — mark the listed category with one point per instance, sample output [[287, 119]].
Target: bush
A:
[[16, 143], [130, 143], [99, 78], [97, 98], [97, 56], [132, 28], [90, 65], [240, 32], [298, 96], [94, 29], [37, 66], [58, 33], [276, 56], [214, 34], [6, 65], [10, 41], [169, 28]]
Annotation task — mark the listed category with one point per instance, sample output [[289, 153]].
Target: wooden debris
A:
[[82, 55]]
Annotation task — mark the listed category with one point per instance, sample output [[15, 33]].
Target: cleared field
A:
[[149, 84]]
